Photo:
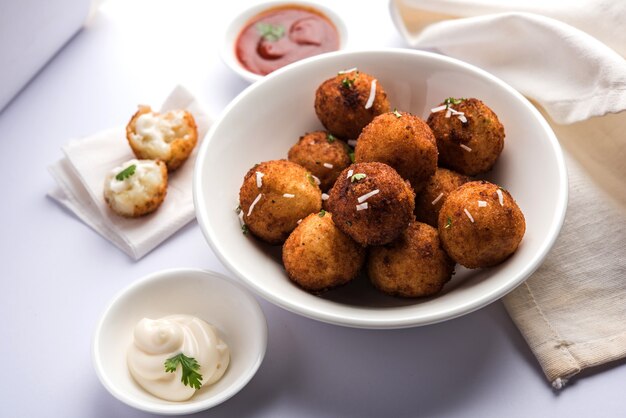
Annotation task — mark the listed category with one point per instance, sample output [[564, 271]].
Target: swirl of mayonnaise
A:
[[157, 340]]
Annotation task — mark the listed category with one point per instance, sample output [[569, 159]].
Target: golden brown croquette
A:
[[480, 225], [274, 196], [371, 203], [429, 201], [318, 256], [341, 103], [471, 147], [402, 141], [170, 136], [323, 154], [413, 265]]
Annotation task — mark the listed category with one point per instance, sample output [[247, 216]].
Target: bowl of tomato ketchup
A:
[[271, 35]]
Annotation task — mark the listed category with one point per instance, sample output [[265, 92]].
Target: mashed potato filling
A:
[[156, 132], [136, 189]]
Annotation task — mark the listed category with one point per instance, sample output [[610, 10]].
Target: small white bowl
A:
[[227, 51], [265, 120], [205, 294]]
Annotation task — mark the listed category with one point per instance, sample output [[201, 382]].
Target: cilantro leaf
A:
[[322, 213], [190, 368], [330, 138], [398, 114], [270, 32], [448, 223], [351, 155], [452, 101], [347, 83], [126, 173], [357, 177]]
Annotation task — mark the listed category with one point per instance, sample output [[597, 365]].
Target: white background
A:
[[58, 275]]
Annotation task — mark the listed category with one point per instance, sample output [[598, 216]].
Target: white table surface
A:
[[58, 275]]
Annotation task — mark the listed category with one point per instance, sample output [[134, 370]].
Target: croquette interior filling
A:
[[156, 132]]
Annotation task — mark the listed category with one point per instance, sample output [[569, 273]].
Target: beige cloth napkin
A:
[[80, 183], [572, 310]]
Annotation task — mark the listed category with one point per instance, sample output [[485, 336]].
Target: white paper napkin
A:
[[80, 184], [567, 57]]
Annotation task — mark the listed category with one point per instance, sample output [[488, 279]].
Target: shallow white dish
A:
[[265, 120], [227, 49], [207, 295]]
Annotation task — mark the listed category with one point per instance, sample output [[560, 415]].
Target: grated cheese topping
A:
[[366, 196], [500, 197], [256, 200], [370, 99], [259, 179], [437, 199]]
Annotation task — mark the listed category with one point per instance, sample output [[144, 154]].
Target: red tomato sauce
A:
[[282, 35]]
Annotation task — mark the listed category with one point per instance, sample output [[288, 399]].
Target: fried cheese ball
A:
[[402, 141], [274, 196], [169, 137], [480, 225], [347, 102], [371, 203], [318, 256], [414, 265], [471, 147], [429, 201], [136, 188], [323, 155]]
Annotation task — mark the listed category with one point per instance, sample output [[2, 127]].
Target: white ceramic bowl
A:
[[227, 51], [265, 120], [207, 295]]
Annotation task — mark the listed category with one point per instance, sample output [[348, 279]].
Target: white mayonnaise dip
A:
[[157, 340]]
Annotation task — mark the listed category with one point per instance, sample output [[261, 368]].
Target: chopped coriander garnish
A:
[[351, 154], [448, 223], [270, 32], [452, 101], [190, 368], [244, 229], [347, 83], [126, 173], [322, 213], [357, 177], [330, 137], [395, 112], [311, 179], [238, 209]]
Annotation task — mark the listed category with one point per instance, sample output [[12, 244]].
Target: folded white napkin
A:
[[567, 57], [80, 178]]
